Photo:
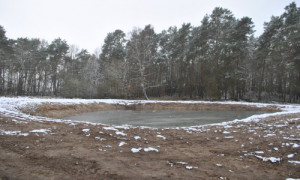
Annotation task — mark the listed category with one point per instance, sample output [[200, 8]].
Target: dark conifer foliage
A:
[[218, 60]]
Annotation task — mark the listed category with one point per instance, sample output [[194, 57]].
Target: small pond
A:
[[162, 118]]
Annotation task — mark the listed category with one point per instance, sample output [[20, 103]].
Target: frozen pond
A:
[[163, 118]]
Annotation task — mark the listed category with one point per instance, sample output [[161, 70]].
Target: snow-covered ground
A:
[[11, 106]]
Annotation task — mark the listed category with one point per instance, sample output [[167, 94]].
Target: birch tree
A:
[[142, 48]]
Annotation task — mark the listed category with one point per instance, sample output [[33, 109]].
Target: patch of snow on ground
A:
[[137, 137], [290, 155], [121, 133], [228, 137], [272, 159], [189, 167], [13, 133], [160, 136], [122, 143], [85, 130], [40, 131], [259, 152], [269, 135], [110, 128], [294, 162], [97, 138], [150, 149], [107, 146], [183, 163], [19, 122], [295, 145], [135, 150]]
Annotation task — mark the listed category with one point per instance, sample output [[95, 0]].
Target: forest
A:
[[219, 60]]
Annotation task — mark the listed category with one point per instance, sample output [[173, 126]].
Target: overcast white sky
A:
[[86, 22]]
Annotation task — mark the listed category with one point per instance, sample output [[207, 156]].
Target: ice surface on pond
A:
[[163, 118]]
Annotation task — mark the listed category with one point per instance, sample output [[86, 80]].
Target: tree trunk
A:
[[144, 90], [261, 80]]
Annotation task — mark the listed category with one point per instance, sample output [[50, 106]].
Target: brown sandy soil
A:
[[83, 151]]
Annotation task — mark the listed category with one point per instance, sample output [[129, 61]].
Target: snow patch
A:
[[294, 162], [296, 145], [272, 159], [160, 136], [259, 152], [150, 149], [269, 135], [110, 128], [19, 122], [85, 130], [183, 163], [228, 137], [137, 137], [135, 150], [107, 146], [13, 133], [40, 131], [226, 132], [189, 167], [121, 133], [122, 143]]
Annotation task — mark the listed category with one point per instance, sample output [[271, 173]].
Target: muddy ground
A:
[[244, 150]]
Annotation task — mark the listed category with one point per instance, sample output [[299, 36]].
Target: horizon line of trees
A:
[[218, 60]]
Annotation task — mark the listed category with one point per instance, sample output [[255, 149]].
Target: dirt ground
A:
[[244, 150]]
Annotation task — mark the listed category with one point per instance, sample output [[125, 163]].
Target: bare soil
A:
[[70, 151]]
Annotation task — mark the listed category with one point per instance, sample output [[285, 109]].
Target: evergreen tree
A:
[[57, 52], [3, 58]]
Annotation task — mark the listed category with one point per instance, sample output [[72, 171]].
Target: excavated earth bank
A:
[[265, 148]]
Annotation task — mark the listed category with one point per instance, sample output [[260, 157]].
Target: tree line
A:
[[220, 59]]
